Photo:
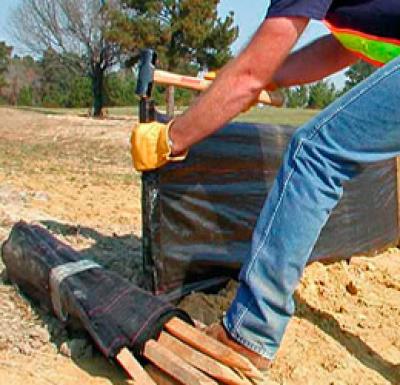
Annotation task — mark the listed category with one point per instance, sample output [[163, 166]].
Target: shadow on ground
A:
[[120, 253], [351, 342]]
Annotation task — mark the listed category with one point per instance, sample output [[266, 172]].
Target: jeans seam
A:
[[255, 347], [245, 310], [262, 242], [241, 315]]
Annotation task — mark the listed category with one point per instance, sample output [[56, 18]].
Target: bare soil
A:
[[73, 175]]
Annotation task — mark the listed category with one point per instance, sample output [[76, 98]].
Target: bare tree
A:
[[75, 29]]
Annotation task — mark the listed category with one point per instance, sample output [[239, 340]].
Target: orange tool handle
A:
[[168, 78]]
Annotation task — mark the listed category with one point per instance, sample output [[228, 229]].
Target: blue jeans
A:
[[363, 126]]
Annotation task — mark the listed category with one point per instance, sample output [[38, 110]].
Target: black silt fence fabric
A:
[[113, 311], [198, 216]]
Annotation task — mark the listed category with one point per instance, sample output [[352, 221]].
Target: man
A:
[[362, 126]]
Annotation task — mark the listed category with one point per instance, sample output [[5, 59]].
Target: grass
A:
[[267, 115], [112, 111], [270, 115]]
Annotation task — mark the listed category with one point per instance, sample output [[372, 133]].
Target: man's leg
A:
[[363, 126]]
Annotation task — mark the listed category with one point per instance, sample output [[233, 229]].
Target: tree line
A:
[[322, 93], [45, 82], [83, 51], [94, 41]]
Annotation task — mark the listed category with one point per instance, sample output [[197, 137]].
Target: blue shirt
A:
[[375, 17]]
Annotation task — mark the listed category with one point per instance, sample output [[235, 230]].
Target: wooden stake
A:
[[174, 365], [160, 377], [133, 368], [170, 101], [398, 194], [202, 362], [211, 347]]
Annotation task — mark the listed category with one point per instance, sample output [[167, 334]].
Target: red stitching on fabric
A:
[[114, 342], [102, 309], [134, 337]]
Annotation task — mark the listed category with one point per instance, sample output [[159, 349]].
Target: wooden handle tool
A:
[[168, 78]]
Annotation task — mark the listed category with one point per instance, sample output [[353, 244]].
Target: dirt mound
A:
[[209, 308]]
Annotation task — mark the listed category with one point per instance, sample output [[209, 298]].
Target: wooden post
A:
[[160, 377], [170, 95], [398, 196]]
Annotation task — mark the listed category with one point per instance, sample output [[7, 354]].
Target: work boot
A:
[[218, 332]]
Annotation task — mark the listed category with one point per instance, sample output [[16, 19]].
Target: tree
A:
[[321, 94], [22, 72], [79, 92], [61, 86], [187, 34], [56, 78], [357, 73], [296, 97], [120, 89], [25, 96], [5, 56], [73, 29]]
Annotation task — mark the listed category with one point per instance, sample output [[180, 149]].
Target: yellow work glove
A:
[[151, 147]]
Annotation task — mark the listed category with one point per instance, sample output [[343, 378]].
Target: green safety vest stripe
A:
[[378, 51]]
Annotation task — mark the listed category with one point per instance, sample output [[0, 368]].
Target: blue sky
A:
[[6, 6], [248, 16]]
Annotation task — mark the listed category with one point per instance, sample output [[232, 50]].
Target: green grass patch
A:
[[271, 115], [112, 111], [267, 115]]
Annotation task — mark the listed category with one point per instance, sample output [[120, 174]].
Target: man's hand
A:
[[151, 146]]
